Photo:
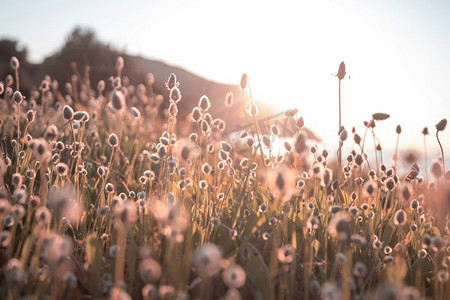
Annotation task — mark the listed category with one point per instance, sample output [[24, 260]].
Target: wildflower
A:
[[357, 240], [203, 184], [426, 240], [17, 97], [31, 114], [360, 269], [341, 72], [215, 221], [285, 254], [16, 179], [244, 80], [422, 253], [312, 223], [329, 291], [207, 260], [113, 140], [109, 188], [172, 82], [380, 116], [370, 189], [335, 209], [204, 104], [14, 272], [437, 169], [196, 114], [5, 238], [173, 109], [135, 112], [62, 169], [343, 135], [229, 99], [117, 100], [339, 227], [234, 276], [43, 215], [206, 169], [443, 276], [390, 184], [263, 207], [81, 116], [149, 270], [205, 127], [300, 123], [441, 125], [175, 95], [400, 217]]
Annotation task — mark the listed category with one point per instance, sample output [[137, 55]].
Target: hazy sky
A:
[[396, 52]]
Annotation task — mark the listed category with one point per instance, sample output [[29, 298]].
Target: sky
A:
[[396, 52]]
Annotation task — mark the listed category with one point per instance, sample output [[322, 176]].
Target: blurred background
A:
[[396, 55]]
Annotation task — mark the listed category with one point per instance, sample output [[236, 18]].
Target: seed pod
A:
[[341, 72], [119, 63], [441, 125], [244, 80], [135, 112], [400, 217], [229, 99], [171, 82], [380, 116], [14, 62], [398, 129], [31, 115], [204, 104], [300, 123], [117, 100], [113, 140], [343, 135], [357, 138], [17, 97], [175, 95]]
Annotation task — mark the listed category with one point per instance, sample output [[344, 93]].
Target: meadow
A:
[[107, 193]]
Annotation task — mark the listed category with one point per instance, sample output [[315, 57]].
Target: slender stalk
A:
[[442, 153], [395, 153], [339, 129], [17, 79], [426, 158]]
